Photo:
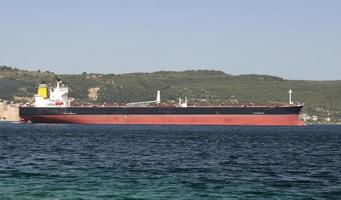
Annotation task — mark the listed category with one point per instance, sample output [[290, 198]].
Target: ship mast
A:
[[290, 93]]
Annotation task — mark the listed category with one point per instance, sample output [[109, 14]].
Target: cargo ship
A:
[[55, 107]]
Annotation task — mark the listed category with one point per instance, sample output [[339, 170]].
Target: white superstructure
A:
[[182, 103], [58, 96]]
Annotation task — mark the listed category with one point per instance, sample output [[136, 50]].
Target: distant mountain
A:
[[322, 98]]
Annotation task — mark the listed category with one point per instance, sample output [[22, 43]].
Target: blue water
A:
[[152, 162]]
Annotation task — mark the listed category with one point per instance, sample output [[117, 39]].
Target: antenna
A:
[[290, 101]]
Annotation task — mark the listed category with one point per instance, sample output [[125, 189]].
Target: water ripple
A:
[[41, 161]]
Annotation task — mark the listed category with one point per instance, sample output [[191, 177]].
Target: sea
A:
[[48, 161]]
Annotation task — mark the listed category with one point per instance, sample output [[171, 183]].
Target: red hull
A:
[[258, 120]]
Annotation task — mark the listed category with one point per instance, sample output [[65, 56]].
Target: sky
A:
[[294, 39]]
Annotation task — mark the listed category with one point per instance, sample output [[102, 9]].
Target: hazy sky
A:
[[295, 39]]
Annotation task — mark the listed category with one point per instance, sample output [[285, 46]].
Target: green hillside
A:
[[322, 98]]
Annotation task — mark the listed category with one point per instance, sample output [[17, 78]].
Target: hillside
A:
[[322, 98]]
